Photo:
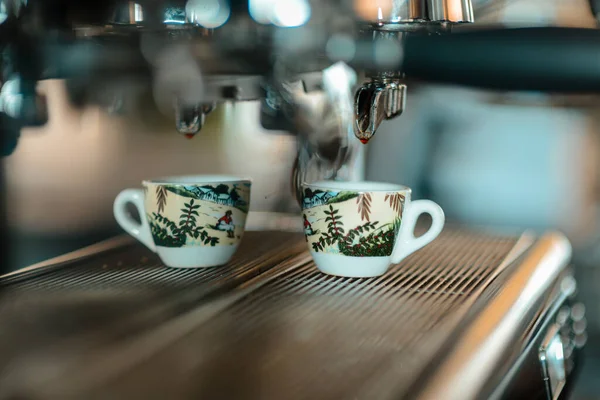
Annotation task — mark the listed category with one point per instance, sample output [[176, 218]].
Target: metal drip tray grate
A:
[[133, 268], [110, 293], [299, 334]]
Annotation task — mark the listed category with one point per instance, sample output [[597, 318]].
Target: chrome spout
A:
[[189, 120], [375, 102]]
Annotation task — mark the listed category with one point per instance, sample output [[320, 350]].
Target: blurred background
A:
[[509, 161]]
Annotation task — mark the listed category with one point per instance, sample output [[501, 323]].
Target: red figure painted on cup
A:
[[225, 223], [307, 227]]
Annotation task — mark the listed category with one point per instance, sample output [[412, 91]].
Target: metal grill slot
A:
[[134, 268]]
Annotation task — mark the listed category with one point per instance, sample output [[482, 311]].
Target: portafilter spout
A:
[[374, 102], [383, 96], [190, 119]]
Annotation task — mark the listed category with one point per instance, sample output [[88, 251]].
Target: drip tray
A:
[[114, 323]]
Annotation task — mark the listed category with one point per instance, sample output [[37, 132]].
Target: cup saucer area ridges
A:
[[197, 215], [352, 223]]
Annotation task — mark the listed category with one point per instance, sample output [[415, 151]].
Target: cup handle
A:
[[140, 231], [407, 243]]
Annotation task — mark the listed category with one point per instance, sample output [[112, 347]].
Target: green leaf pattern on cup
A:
[[197, 215], [351, 223]]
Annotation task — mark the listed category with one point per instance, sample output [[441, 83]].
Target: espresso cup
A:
[[189, 221], [358, 229]]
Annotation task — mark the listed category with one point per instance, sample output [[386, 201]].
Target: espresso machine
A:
[[476, 315]]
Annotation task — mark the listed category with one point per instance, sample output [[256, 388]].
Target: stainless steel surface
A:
[[552, 359], [123, 264], [193, 55], [477, 354], [398, 11], [376, 102], [521, 374], [190, 119], [383, 96], [110, 294], [451, 10], [289, 332]]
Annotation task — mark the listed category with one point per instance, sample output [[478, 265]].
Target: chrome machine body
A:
[[473, 316], [326, 71]]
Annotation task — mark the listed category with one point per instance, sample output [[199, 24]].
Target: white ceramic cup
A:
[[358, 229], [189, 221]]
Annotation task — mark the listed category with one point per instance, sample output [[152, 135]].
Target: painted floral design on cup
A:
[[188, 221], [359, 229], [351, 223], [194, 215]]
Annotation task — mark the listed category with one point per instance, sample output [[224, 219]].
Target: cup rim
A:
[[196, 180], [358, 186]]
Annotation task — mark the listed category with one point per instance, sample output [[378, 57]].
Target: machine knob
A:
[[375, 102]]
